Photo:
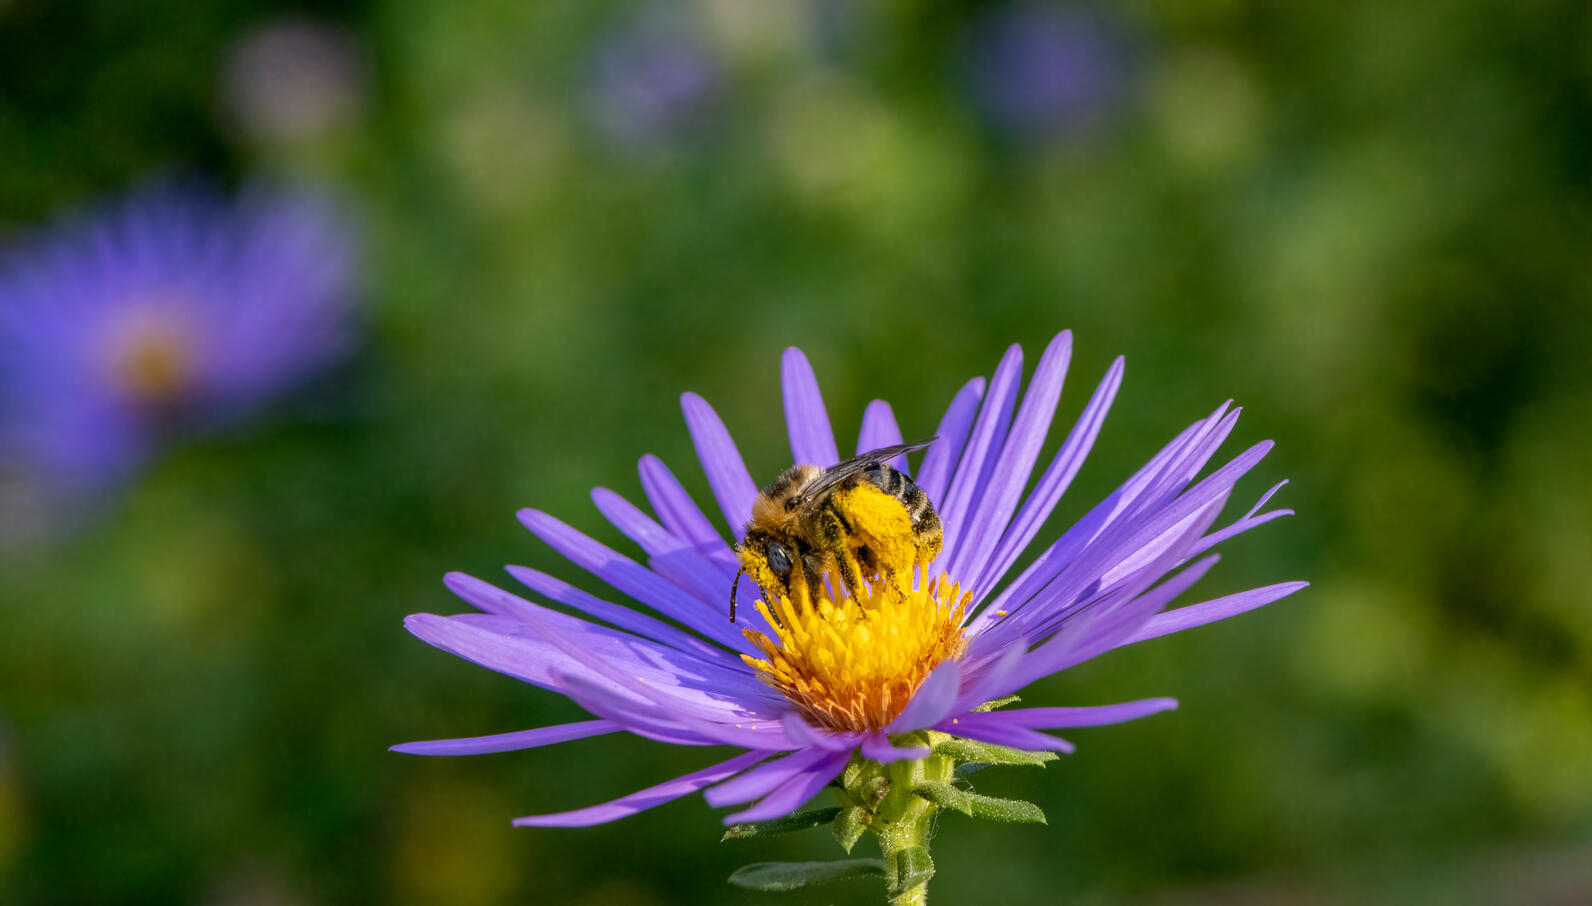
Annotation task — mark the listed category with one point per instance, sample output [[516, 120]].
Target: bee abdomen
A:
[[904, 489], [918, 506], [887, 480]]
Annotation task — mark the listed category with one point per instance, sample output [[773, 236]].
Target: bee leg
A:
[[771, 602], [850, 573], [867, 561], [735, 586], [878, 573], [834, 539], [812, 566]]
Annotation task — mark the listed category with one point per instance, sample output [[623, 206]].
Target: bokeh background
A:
[[1367, 222]]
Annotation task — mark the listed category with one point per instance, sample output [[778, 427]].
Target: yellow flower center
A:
[[854, 664], [152, 361]]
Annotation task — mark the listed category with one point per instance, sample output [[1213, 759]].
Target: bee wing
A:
[[831, 478]]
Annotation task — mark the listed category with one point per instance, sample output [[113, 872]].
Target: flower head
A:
[[853, 665], [1037, 72], [805, 682], [292, 80], [167, 311], [652, 83]]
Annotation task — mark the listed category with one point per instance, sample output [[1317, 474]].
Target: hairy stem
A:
[[905, 825]]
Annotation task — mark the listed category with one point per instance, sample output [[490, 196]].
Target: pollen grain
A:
[[854, 665]]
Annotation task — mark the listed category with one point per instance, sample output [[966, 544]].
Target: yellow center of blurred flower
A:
[[854, 664], [152, 361]]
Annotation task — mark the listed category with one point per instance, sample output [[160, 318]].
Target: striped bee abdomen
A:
[[925, 521]]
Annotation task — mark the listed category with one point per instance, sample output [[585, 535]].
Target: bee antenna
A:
[[735, 586]]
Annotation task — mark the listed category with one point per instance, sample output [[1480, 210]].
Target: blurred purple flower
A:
[[652, 84], [695, 681], [167, 311], [1037, 71], [292, 80]]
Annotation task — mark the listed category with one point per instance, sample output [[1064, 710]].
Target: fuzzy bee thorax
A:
[[772, 511]]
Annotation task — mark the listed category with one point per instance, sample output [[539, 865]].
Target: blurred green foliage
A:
[[1367, 222]]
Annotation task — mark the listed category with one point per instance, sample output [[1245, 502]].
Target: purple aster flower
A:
[[292, 80], [164, 312], [1038, 71], [652, 84], [837, 686]]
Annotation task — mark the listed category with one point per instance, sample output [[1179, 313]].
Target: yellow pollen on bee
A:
[[880, 523], [854, 664]]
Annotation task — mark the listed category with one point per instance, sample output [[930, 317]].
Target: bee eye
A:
[[778, 560]]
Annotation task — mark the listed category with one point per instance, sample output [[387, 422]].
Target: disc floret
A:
[[853, 664], [152, 360]]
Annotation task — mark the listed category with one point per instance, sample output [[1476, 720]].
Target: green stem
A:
[[912, 831], [904, 826]]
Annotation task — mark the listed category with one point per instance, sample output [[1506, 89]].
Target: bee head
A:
[[768, 559]]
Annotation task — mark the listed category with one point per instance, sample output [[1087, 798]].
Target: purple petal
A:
[[1093, 632], [632, 704], [1246, 522], [1238, 528], [1131, 575], [797, 790], [1210, 611], [1081, 588], [1170, 489], [661, 719], [763, 779], [675, 508], [509, 742], [1207, 441], [877, 747], [644, 799], [933, 700], [519, 645], [667, 555], [637, 526], [941, 460], [1124, 544], [812, 440], [879, 429], [995, 504], [1091, 716], [681, 686], [616, 614], [540, 662], [721, 462], [1130, 557], [978, 460], [1054, 482], [1266, 497], [1181, 460], [1085, 620], [1075, 541], [634, 580], [530, 660], [991, 727], [1175, 473], [804, 734], [986, 677]]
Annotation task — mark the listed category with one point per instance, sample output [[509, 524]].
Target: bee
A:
[[860, 518]]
